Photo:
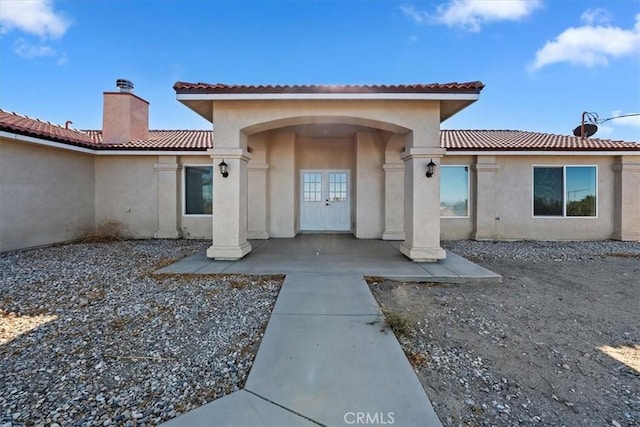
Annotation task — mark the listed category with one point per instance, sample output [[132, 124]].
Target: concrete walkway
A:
[[326, 357]]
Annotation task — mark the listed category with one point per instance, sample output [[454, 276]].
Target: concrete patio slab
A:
[[239, 409], [336, 254]]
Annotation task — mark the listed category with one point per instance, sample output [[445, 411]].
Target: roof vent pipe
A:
[[125, 85]]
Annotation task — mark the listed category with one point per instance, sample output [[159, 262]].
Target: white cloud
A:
[[590, 45], [35, 17], [596, 16], [418, 16], [631, 119], [30, 51], [472, 14]]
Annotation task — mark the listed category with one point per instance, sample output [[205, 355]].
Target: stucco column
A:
[[393, 201], [257, 203], [422, 206], [485, 199], [167, 168], [627, 198], [229, 205]]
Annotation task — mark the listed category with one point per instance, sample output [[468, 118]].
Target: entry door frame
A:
[[322, 214]]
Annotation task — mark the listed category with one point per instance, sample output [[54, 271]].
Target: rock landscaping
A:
[[557, 344], [90, 336]]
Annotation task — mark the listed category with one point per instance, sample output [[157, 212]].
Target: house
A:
[[366, 160]]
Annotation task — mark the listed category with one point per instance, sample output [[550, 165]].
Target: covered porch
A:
[[305, 159]]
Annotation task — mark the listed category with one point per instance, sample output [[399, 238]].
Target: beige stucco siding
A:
[[369, 178], [47, 195], [127, 193]]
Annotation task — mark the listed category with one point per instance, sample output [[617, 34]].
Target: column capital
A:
[[393, 167], [257, 166], [229, 153], [485, 167], [626, 167], [423, 153], [166, 166]]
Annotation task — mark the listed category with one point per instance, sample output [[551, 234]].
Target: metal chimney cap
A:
[[124, 85]]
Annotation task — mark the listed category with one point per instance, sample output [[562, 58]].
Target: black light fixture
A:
[[223, 169], [431, 168]]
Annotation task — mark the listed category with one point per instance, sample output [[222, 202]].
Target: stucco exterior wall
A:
[[369, 176], [501, 206], [514, 201], [282, 187], [46, 195], [126, 191]]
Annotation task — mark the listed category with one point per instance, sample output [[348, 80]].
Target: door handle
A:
[[327, 204]]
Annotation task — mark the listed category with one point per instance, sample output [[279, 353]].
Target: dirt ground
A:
[[558, 343]]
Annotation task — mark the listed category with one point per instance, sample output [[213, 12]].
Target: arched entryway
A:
[[323, 174]]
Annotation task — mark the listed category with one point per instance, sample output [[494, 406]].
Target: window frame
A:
[[564, 191], [184, 188], [468, 215]]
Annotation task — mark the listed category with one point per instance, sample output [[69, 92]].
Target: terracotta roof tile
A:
[[468, 87], [183, 140], [516, 140], [201, 140], [24, 125]]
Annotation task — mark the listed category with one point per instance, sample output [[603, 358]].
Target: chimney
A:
[[125, 116]]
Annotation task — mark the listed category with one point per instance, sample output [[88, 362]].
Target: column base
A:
[[432, 254], [627, 237], [228, 253], [166, 234], [393, 235], [257, 235]]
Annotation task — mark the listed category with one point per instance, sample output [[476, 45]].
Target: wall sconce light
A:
[[431, 168], [223, 169]]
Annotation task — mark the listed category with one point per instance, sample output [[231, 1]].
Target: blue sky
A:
[[543, 62]]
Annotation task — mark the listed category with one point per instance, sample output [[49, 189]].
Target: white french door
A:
[[325, 200]]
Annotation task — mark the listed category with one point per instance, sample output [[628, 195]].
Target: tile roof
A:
[[183, 140], [517, 140], [454, 87], [201, 140]]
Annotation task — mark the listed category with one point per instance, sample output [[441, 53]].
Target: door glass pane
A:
[[337, 186], [547, 191], [312, 187], [581, 190]]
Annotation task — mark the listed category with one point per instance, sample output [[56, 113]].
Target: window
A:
[[454, 191], [564, 191], [198, 194]]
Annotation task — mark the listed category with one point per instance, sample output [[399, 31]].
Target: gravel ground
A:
[[89, 336], [558, 343]]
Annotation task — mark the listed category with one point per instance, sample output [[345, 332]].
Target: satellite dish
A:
[[589, 130]]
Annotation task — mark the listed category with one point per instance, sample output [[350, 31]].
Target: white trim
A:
[[321, 96], [149, 153], [468, 215], [454, 152], [564, 190], [45, 142], [183, 188]]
